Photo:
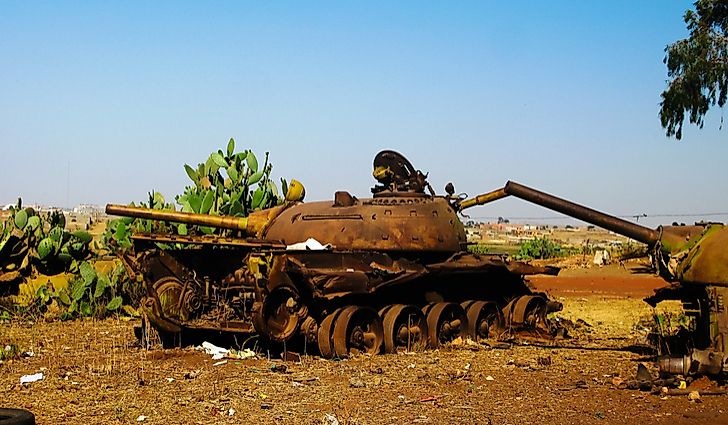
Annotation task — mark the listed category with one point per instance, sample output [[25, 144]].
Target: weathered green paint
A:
[[707, 258]]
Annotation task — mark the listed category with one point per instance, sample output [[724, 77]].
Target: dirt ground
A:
[[95, 372]]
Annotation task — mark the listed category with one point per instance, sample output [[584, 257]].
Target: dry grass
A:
[[97, 373]]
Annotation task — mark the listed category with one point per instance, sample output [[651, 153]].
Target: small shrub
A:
[[539, 249], [478, 249]]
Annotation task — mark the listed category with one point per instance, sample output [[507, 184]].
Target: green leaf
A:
[[231, 147], [255, 178], [257, 198], [182, 229], [63, 296], [114, 304], [192, 173], [85, 309], [159, 201], [233, 174], [73, 307], [33, 222], [88, 273], [207, 202], [195, 202], [42, 294], [82, 236], [210, 167], [284, 187], [241, 156], [77, 292], [56, 234], [238, 168], [45, 248], [64, 258], [76, 249], [235, 208], [236, 195], [252, 162], [272, 188], [122, 232], [102, 283], [219, 160], [21, 219]]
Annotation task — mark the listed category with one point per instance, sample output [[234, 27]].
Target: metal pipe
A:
[[609, 222]]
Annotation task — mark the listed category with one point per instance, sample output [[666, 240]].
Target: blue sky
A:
[[561, 96]]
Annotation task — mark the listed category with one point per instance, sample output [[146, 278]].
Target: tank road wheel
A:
[[404, 327], [483, 317], [325, 333], [445, 322], [358, 330], [281, 313]]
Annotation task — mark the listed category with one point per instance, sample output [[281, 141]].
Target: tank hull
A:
[[287, 295]]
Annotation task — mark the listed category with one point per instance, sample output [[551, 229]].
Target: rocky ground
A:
[[95, 372]]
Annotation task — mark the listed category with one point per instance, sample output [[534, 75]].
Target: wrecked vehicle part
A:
[[698, 362], [692, 259], [392, 272]]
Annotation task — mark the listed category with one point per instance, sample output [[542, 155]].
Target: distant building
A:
[[87, 209]]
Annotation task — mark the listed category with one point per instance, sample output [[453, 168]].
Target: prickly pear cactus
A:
[[227, 183], [230, 183], [32, 242]]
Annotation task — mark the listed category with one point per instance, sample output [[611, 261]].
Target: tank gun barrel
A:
[[224, 222], [609, 222], [482, 199]]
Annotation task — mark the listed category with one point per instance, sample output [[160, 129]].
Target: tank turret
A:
[[400, 217]]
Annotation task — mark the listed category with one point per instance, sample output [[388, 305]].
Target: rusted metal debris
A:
[[397, 277]]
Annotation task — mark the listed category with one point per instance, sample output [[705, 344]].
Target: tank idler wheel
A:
[[357, 330], [445, 322], [171, 294], [526, 310], [405, 328], [168, 309], [483, 318], [325, 334]]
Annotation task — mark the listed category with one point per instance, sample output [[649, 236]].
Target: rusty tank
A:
[[347, 275], [693, 260]]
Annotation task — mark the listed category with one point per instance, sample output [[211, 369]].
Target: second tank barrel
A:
[[606, 221]]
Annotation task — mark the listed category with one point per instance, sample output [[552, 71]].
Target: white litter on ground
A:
[[219, 353], [216, 352], [27, 379]]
